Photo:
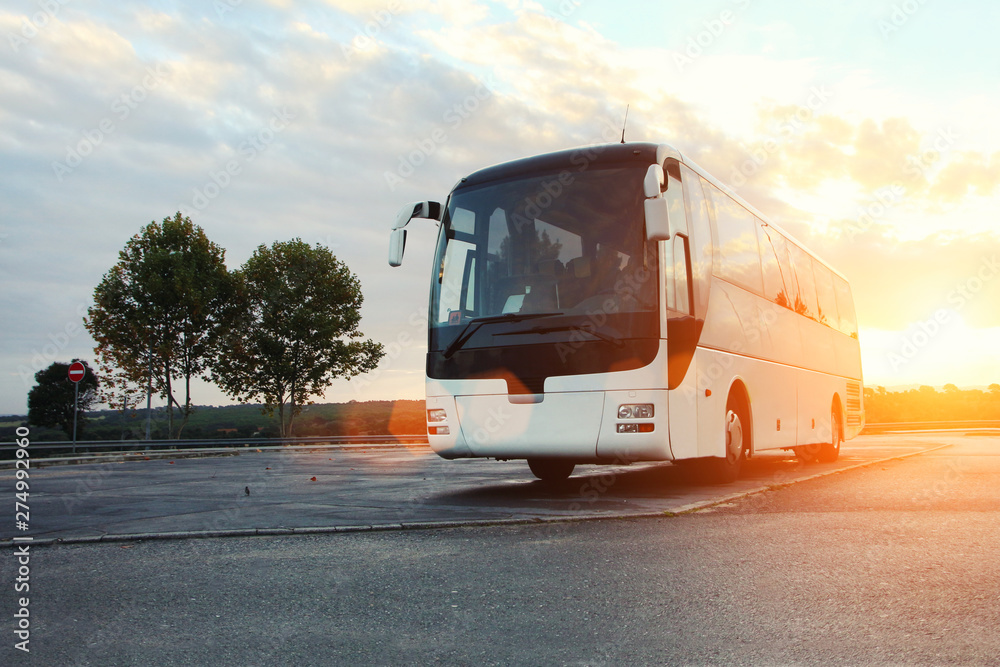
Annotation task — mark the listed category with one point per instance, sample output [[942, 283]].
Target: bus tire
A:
[[551, 470], [725, 470], [830, 451]]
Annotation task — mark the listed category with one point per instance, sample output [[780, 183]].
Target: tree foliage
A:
[[297, 317], [926, 403], [158, 313], [51, 401]]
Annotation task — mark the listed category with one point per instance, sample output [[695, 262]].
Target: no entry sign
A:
[[77, 371]]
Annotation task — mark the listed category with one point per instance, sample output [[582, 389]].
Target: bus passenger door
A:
[[682, 329]]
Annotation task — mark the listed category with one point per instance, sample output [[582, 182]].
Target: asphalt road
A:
[[329, 490], [891, 563]]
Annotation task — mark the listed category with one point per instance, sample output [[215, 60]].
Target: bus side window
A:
[[845, 306], [677, 285], [700, 244], [774, 262], [455, 294], [680, 274], [805, 302], [738, 259], [827, 297]]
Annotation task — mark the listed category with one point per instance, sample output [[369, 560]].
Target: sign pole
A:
[[76, 372], [76, 403]]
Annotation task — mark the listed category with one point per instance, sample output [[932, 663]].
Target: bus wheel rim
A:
[[734, 435]]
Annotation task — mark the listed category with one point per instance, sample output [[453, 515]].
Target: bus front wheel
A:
[[723, 470], [551, 470]]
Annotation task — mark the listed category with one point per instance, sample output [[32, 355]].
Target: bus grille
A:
[[854, 414]]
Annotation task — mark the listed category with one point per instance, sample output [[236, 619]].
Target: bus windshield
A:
[[568, 244]]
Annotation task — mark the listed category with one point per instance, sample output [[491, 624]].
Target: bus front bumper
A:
[[582, 426]]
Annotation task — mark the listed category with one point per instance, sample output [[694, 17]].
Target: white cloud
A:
[[441, 89]]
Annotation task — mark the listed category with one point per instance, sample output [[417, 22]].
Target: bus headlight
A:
[[645, 427], [635, 411], [437, 416]]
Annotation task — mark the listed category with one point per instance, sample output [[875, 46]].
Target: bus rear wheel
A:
[[830, 451], [551, 470]]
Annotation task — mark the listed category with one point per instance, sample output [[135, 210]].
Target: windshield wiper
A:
[[617, 342], [474, 324]]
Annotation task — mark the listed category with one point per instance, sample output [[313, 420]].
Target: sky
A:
[[864, 128]]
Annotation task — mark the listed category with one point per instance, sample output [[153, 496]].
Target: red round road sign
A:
[[77, 371]]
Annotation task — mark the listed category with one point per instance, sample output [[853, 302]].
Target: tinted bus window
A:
[[845, 307], [805, 302], [675, 267], [739, 256], [774, 264], [827, 296], [700, 245]]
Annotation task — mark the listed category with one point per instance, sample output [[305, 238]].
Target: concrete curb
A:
[[439, 525], [122, 457]]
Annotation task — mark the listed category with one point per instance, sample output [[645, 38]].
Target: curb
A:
[[439, 525], [137, 456]]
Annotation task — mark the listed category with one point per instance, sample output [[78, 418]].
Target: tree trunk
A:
[[170, 402]]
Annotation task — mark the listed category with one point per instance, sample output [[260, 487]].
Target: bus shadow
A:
[[595, 485]]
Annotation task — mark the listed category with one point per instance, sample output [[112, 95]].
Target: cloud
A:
[[967, 173], [433, 91], [880, 151]]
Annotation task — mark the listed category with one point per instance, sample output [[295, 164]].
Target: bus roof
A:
[[636, 153]]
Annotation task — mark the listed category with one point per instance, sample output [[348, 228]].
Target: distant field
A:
[[355, 418]]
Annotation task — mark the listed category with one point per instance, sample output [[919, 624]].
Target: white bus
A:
[[616, 303]]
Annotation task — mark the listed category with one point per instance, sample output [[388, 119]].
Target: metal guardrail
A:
[[91, 446], [218, 443], [889, 427]]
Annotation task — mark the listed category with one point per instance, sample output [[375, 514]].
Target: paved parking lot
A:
[[407, 486]]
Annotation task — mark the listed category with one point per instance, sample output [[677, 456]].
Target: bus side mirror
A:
[[397, 237], [655, 206], [397, 244]]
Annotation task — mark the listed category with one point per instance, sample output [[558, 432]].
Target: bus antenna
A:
[[625, 123]]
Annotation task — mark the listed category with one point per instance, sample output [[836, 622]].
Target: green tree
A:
[[50, 402], [296, 330], [158, 313]]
